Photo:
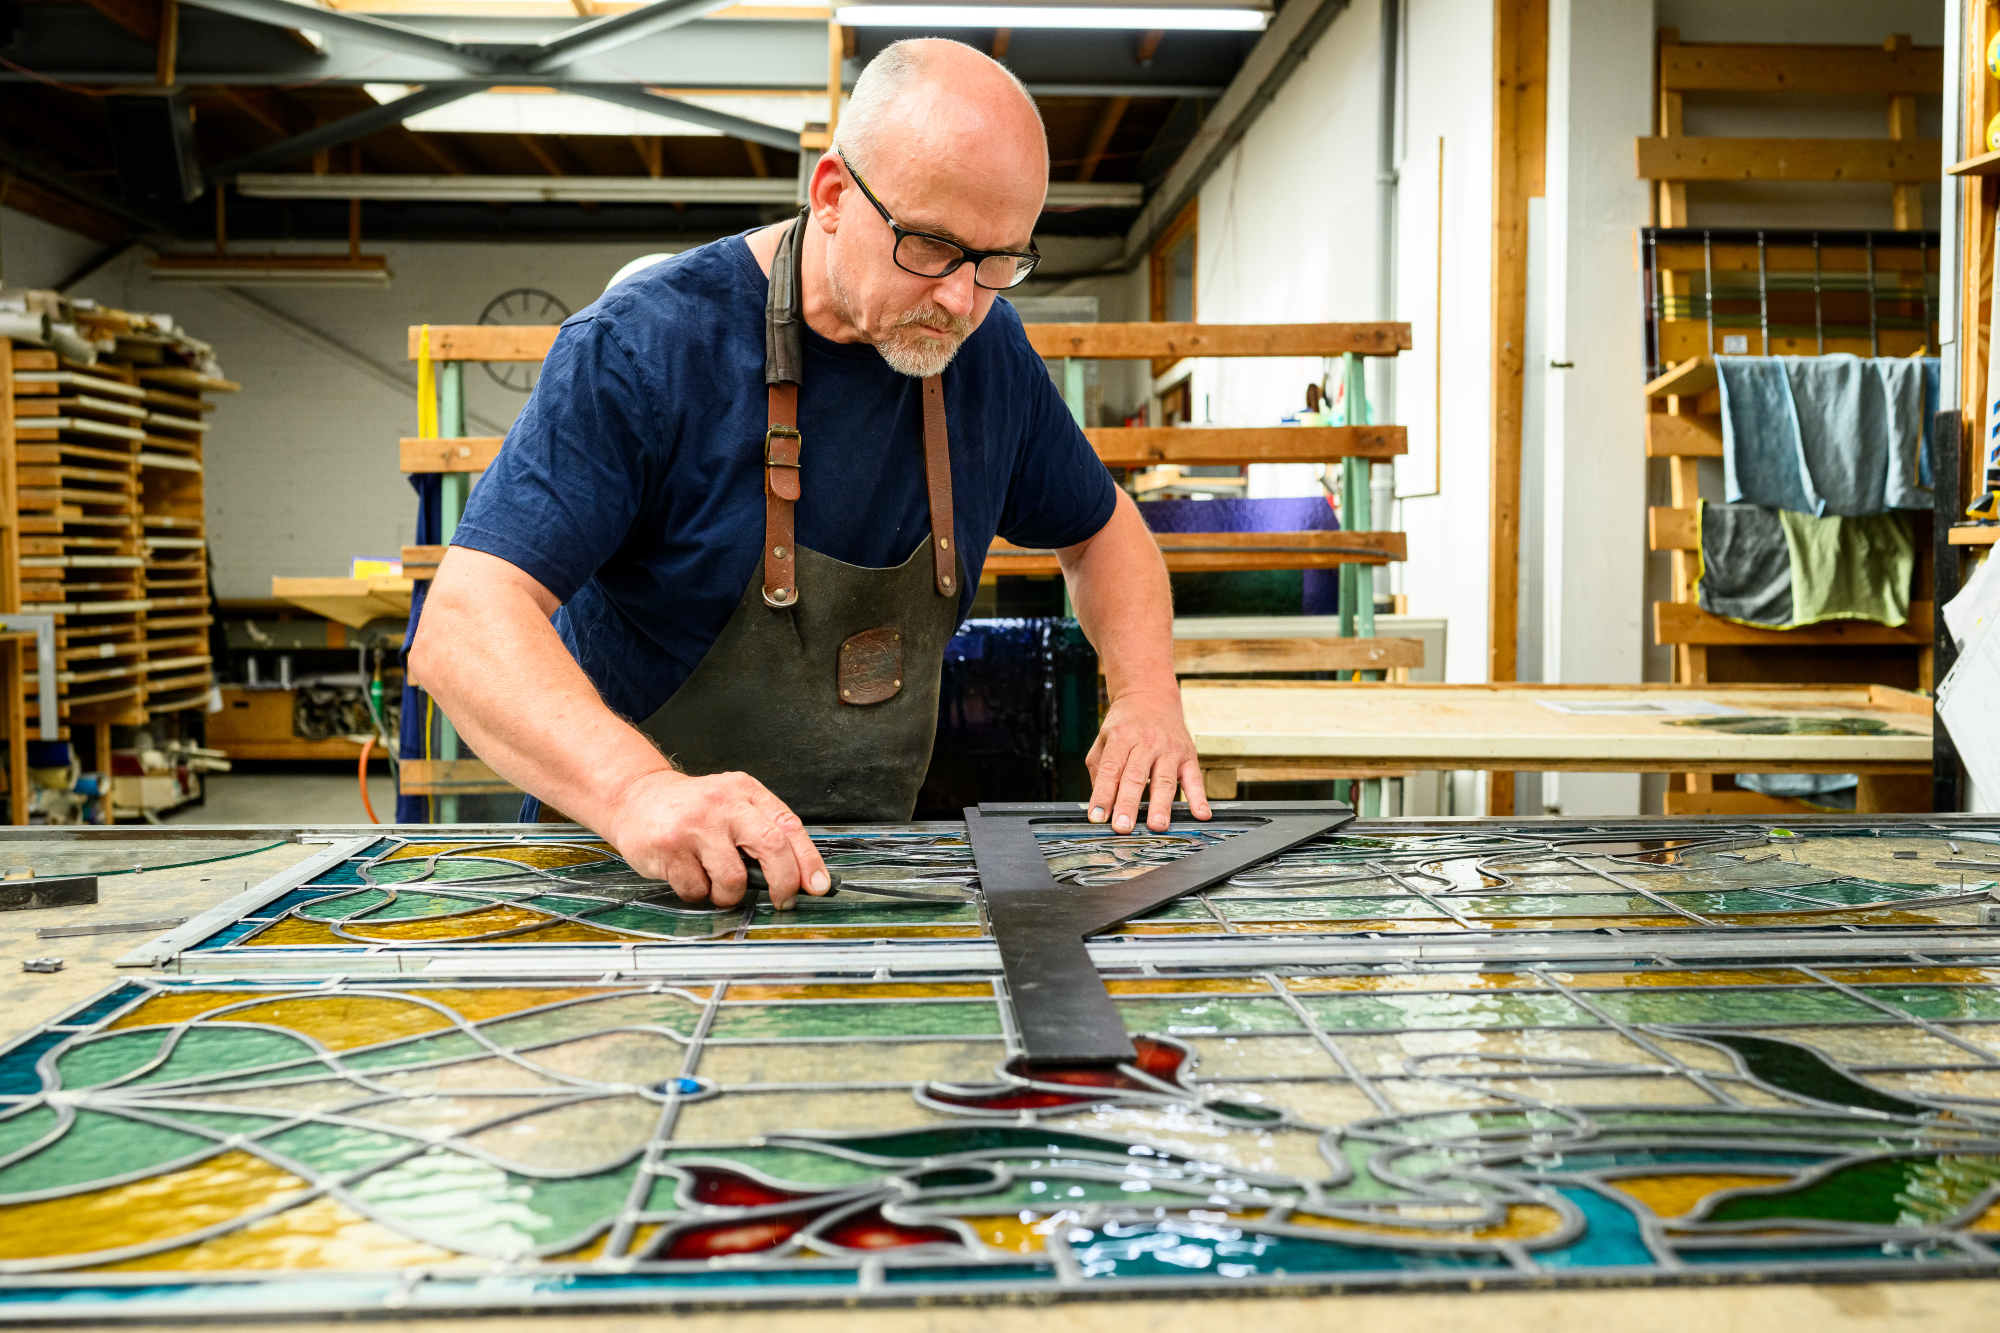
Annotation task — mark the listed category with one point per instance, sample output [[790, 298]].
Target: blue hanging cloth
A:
[[429, 487]]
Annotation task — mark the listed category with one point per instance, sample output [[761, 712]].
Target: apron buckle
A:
[[771, 445]]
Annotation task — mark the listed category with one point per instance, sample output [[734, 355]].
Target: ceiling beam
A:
[[634, 95], [141, 18], [347, 129], [557, 187], [616, 30], [380, 33], [1100, 137]]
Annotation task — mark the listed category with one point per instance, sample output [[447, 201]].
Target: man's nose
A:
[[956, 292]]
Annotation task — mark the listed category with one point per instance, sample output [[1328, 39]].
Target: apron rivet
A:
[[944, 543], [847, 694], [899, 684], [778, 551]]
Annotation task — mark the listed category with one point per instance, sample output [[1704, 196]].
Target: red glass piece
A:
[[1159, 1059], [711, 1242], [871, 1231], [727, 1189]]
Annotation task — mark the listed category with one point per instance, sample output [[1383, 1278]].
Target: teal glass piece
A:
[[415, 1051], [25, 1127], [1456, 1009], [1191, 1249], [414, 903], [1053, 1192], [478, 1207], [660, 921], [567, 904], [1780, 1004], [1940, 1001], [1859, 893], [861, 1019], [1610, 1239], [208, 1052], [346, 905], [336, 1149], [98, 1147], [1790, 1067], [1217, 1013], [99, 1060], [845, 910]]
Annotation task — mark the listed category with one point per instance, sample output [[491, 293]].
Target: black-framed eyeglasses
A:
[[930, 256]]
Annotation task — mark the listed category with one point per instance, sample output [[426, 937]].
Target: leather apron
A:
[[824, 683]]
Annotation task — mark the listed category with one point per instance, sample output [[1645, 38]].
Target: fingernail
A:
[[820, 882], [1097, 814], [1123, 825]]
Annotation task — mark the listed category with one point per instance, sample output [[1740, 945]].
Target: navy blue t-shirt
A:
[[632, 484]]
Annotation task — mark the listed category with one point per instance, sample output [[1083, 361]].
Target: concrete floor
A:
[[290, 796]]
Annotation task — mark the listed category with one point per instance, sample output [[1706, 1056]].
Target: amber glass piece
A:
[[1775, 976], [292, 930], [573, 932], [873, 932], [227, 1185], [1589, 923], [1677, 1195], [896, 990], [177, 1007], [493, 1001], [544, 857], [457, 926], [316, 1234], [1189, 986], [1418, 981], [1934, 976], [343, 1021]]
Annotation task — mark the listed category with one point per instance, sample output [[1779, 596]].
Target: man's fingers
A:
[[1197, 792], [778, 839], [1106, 767], [728, 877], [689, 880], [1131, 786], [1160, 800]]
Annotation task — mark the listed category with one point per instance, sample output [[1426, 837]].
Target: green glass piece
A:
[[412, 903], [1364, 1184], [20, 1130], [1219, 1013], [1181, 909], [1049, 1193], [99, 1060], [211, 1052], [336, 1149], [659, 921], [225, 1122], [1941, 1001], [1330, 909], [471, 1205], [1884, 1191], [1785, 1004], [947, 1140], [934, 1019], [1736, 900], [566, 903], [415, 1051], [843, 911], [1559, 904], [402, 872], [785, 1165], [1794, 1068], [1859, 892], [97, 1147], [1453, 1009], [337, 909]]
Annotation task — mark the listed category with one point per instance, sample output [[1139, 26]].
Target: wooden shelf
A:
[[1892, 161], [352, 602], [1687, 623], [1230, 552], [1171, 342], [1974, 536], [472, 453], [1986, 164]]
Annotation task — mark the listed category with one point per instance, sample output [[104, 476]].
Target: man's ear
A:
[[825, 193]]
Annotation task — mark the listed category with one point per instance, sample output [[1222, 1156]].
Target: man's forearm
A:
[[485, 650], [1118, 583]]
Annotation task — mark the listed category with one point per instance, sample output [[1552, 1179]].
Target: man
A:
[[746, 508]]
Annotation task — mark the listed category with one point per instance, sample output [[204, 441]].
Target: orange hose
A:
[[366, 804]]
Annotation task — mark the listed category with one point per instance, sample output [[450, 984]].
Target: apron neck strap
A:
[[784, 369]]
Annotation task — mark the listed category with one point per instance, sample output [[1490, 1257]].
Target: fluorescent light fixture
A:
[[271, 270], [1063, 195], [1035, 16], [548, 111]]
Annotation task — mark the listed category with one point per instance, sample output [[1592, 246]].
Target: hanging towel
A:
[[1850, 568], [1746, 568], [1763, 461], [1825, 435]]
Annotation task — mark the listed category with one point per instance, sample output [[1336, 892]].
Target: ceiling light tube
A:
[[1035, 16]]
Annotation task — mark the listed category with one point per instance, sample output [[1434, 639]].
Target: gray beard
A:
[[907, 351]]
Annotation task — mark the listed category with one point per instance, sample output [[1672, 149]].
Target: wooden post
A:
[[167, 53], [1673, 194], [1520, 132], [13, 679], [1908, 197]]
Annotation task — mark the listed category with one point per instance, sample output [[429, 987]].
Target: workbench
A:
[[464, 1074], [1297, 730]]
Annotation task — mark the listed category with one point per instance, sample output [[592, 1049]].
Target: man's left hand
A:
[[1143, 750]]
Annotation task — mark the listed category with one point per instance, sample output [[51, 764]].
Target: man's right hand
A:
[[686, 831]]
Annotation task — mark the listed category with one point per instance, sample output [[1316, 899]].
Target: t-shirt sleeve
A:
[[1060, 493], [568, 485]]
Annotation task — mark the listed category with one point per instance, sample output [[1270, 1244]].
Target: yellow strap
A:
[[427, 399]]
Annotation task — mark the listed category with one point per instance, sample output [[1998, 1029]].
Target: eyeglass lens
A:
[[931, 258]]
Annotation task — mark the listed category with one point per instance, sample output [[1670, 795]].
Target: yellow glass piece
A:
[[1165, 928], [1774, 976], [642, 1236], [457, 926], [206, 1194], [178, 1007], [473, 1005], [871, 932], [1188, 986], [295, 931], [1935, 976], [319, 1233], [1986, 1221], [1017, 1233], [574, 932], [1427, 981], [1524, 1221], [416, 851], [543, 857], [902, 990], [342, 1021], [1347, 926], [494, 1002], [1677, 1195]]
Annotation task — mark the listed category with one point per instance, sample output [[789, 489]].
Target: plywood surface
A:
[[1507, 726]]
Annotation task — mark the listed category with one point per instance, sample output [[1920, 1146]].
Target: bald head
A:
[[942, 107]]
